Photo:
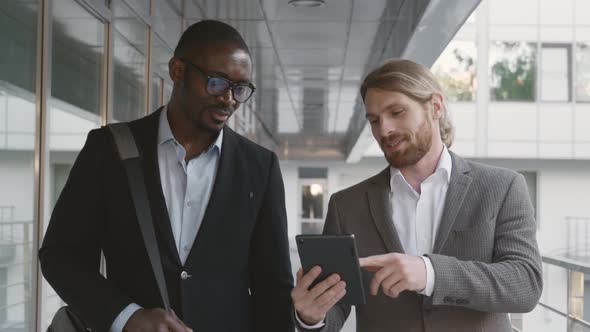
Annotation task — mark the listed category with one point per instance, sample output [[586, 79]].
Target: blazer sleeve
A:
[[70, 253], [336, 317], [271, 278], [513, 281]]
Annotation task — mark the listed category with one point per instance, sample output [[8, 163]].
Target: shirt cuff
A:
[[123, 317], [309, 327], [429, 277]]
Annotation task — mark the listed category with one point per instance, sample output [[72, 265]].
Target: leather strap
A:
[[129, 155]]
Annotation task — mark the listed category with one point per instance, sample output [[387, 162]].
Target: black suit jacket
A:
[[239, 263]]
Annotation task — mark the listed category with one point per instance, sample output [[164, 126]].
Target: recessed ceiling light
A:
[[307, 3]]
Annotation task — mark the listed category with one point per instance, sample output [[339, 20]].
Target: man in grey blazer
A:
[[447, 244]]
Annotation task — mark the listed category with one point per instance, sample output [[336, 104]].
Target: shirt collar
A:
[[445, 164], [165, 132]]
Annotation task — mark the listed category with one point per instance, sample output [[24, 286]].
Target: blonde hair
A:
[[415, 81]]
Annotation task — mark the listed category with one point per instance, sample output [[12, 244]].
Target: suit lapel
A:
[[146, 136], [380, 207], [229, 185], [458, 188]]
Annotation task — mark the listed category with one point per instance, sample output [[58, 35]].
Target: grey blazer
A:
[[485, 258]]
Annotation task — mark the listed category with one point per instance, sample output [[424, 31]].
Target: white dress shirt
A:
[[187, 187], [417, 216]]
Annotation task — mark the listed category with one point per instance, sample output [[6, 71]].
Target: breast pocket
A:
[[475, 242]]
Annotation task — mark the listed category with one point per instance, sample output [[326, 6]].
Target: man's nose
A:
[[387, 127], [227, 98]]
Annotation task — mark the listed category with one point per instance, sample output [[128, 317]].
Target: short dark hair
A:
[[208, 32]]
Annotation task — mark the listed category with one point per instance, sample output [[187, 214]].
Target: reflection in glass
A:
[[312, 201], [583, 72], [161, 55], [167, 21], [18, 36], [167, 92], [74, 104], [129, 60], [455, 70], [513, 68], [156, 92]]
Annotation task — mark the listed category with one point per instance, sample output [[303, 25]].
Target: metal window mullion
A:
[[42, 91], [148, 62], [108, 73]]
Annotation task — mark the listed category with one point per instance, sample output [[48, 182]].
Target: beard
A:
[[415, 150]]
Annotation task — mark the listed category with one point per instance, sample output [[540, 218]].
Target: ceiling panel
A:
[[317, 57], [376, 10], [333, 10], [309, 35], [223, 9]]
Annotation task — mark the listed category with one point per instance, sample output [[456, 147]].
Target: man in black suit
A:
[[217, 201]]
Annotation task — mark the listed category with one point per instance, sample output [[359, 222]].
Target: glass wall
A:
[[77, 63], [18, 36], [161, 55], [130, 36]]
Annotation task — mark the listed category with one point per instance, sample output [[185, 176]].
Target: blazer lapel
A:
[[146, 136], [230, 182], [380, 207], [458, 187]]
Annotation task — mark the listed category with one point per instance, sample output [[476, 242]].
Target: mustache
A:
[[393, 138], [222, 108]]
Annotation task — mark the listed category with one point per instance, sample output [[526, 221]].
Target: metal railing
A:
[[578, 236], [576, 274], [16, 245]]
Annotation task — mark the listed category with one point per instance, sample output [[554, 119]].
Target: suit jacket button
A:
[[184, 275]]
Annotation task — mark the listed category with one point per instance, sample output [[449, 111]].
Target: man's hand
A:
[[154, 320], [395, 273], [313, 304]]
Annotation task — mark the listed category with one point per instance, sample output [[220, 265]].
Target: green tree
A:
[[513, 76]]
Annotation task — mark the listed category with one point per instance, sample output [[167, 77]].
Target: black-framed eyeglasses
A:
[[217, 86]]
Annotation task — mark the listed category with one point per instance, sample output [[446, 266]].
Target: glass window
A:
[[583, 72], [18, 36], [167, 91], [167, 22], [142, 7], [156, 92], [455, 70], [513, 67], [74, 105], [161, 55], [555, 72], [129, 65]]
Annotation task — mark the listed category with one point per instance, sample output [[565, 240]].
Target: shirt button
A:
[[189, 203], [186, 248], [184, 275]]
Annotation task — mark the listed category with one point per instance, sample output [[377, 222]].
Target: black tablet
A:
[[334, 254]]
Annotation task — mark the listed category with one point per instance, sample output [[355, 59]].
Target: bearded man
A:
[[447, 244]]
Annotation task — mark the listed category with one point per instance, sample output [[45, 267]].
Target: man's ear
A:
[[176, 69], [437, 106]]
